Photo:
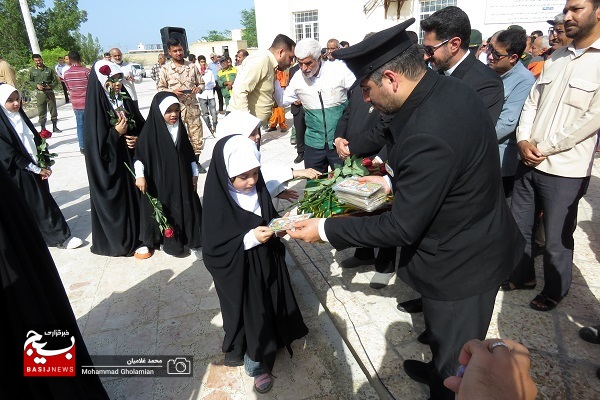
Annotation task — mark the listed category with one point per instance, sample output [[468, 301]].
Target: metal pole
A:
[[35, 47]]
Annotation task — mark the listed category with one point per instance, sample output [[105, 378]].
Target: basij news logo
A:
[[50, 353]]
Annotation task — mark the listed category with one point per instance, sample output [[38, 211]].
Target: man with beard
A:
[[117, 57], [255, 84], [447, 35], [557, 138], [557, 34], [322, 87], [449, 216]]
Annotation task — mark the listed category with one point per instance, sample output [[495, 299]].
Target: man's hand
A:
[[308, 173], [501, 372], [341, 146], [530, 155], [196, 90], [307, 230], [376, 179], [141, 184]]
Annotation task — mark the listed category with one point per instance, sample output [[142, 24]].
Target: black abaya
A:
[[34, 189], [168, 173], [114, 198], [32, 296], [260, 312]]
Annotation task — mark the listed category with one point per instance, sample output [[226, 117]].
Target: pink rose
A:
[[169, 232], [104, 70], [45, 134]]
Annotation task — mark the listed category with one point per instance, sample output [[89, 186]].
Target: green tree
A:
[[56, 26], [216, 36], [248, 21], [14, 42], [89, 48]]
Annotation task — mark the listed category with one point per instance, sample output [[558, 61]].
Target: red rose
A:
[[169, 232], [382, 169], [104, 70], [45, 133], [367, 162]]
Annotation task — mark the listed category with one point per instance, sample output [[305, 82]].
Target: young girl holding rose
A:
[[166, 168], [19, 153], [246, 261]]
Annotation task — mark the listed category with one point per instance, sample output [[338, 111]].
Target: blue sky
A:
[[125, 23]]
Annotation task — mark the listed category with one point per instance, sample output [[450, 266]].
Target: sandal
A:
[[543, 303], [263, 383], [508, 286]]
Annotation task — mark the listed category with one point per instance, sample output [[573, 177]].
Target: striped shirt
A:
[[76, 78]]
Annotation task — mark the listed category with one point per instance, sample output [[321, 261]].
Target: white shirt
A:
[[451, 70]]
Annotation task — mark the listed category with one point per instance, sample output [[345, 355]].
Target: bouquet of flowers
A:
[[157, 212], [45, 158], [115, 97]]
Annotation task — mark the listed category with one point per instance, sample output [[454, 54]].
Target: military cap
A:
[[476, 38], [365, 57], [558, 19]]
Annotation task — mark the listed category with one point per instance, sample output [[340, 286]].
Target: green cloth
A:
[[37, 76], [315, 135]]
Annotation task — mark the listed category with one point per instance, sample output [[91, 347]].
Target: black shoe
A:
[[424, 337], [299, 159], [411, 306], [233, 361], [590, 334], [272, 129], [81, 150], [55, 128], [417, 370]]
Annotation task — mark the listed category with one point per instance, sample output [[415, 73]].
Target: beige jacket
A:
[[561, 116]]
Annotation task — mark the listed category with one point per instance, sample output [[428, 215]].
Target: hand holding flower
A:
[[141, 184], [45, 173], [121, 125]]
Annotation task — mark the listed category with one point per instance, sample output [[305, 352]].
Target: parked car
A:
[[138, 69]]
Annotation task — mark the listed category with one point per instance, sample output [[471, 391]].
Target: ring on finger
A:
[[496, 344]]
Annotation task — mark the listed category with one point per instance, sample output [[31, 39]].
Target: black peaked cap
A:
[[365, 57]]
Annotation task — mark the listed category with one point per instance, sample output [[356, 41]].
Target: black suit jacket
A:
[[485, 81], [361, 119], [449, 214]]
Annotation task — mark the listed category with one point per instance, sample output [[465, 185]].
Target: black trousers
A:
[[217, 91], [558, 197], [300, 125], [452, 323], [320, 159]]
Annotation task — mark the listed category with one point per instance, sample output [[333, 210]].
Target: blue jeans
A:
[[79, 117], [208, 105], [253, 368]]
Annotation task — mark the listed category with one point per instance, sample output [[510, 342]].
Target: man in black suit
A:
[[447, 35], [458, 238]]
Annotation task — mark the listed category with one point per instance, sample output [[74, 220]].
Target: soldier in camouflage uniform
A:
[[182, 78], [45, 81]]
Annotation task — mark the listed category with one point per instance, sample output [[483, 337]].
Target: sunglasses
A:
[[495, 55], [430, 50]]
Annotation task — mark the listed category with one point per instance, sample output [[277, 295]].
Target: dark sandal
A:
[[508, 286], [543, 303], [263, 383]]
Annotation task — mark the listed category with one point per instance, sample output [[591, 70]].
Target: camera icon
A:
[[179, 366]]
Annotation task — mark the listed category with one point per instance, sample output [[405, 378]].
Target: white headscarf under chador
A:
[[237, 123], [240, 155], [163, 106], [114, 70], [16, 120]]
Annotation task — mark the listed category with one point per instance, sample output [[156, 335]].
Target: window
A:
[[428, 7], [306, 25]]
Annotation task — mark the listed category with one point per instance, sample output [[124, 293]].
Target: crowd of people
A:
[[470, 197]]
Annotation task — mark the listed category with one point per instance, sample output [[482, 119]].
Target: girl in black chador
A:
[[246, 261], [166, 167]]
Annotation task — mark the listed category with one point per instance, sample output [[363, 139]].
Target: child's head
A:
[[170, 109], [110, 75], [242, 161], [9, 98], [240, 123]]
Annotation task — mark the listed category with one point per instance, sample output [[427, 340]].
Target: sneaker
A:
[[197, 253], [142, 253], [380, 280], [72, 243], [293, 141], [299, 159], [590, 334], [201, 169], [271, 129]]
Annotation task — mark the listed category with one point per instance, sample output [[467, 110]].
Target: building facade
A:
[[351, 20]]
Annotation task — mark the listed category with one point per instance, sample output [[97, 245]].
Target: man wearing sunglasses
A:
[[504, 52], [447, 36]]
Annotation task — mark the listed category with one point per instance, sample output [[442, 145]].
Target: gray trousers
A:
[[558, 198]]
